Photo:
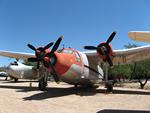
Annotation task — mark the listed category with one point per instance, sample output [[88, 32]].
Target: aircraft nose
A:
[[61, 65], [11, 71]]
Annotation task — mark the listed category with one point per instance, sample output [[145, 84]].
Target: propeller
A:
[[31, 47], [39, 53], [104, 48], [90, 47], [46, 59], [55, 47], [52, 55], [111, 37], [56, 78]]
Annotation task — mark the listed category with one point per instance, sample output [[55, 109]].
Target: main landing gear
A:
[[108, 83], [14, 79], [109, 86], [43, 78], [43, 83]]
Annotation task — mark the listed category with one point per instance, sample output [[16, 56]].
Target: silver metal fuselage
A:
[[81, 75], [22, 71]]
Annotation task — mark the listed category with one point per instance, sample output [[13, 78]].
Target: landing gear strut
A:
[[109, 86], [75, 85], [108, 83], [43, 83], [43, 77], [15, 79]]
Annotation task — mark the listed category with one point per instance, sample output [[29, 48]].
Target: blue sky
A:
[[81, 22]]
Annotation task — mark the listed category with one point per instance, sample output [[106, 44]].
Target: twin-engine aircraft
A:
[[78, 68]]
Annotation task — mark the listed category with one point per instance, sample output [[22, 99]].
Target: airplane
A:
[[143, 36], [79, 68], [4, 74], [17, 70]]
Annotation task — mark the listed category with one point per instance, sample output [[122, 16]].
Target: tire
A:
[[15, 79], [42, 83], [109, 87], [6, 78]]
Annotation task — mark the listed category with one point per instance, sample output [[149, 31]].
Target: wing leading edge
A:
[[124, 56], [16, 55]]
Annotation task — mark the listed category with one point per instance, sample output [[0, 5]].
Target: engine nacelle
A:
[[102, 48]]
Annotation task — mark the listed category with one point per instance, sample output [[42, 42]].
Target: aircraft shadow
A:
[[23, 81], [81, 91], [122, 111], [59, 92], [53, 92], [20, 88]]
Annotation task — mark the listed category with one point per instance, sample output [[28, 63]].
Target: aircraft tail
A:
[[142, 36]]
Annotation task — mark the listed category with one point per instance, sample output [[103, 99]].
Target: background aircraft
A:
[[78, 68], [17, 70], [143, 36], [3, 74]]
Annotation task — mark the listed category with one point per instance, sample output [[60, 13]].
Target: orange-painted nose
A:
[[62, 63]]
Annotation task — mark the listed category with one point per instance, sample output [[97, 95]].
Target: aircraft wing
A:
[[123, 56], [17, 55]]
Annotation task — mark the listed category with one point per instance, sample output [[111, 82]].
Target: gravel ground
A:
[[64, 98]]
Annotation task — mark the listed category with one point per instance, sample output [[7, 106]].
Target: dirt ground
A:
[[64, 98]]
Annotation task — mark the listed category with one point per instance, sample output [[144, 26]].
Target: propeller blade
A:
[[55, 47], [54, 73], [48, 55], [48, 45], [108, 58], [32, 59], [31, 47], [90, 47], [111, 37], [56, 78]]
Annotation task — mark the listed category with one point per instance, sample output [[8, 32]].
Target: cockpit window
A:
[[60, 50], [66, 51], [14, 63], [70, 51], [77, 56]]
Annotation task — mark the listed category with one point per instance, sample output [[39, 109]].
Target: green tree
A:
[[2, 69], [129, 45], [119, 72], [140, 70]]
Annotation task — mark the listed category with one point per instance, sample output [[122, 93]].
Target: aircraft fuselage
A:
[[70, 66], [21, 71]]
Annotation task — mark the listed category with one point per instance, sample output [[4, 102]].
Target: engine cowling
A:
[[104, 49]]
